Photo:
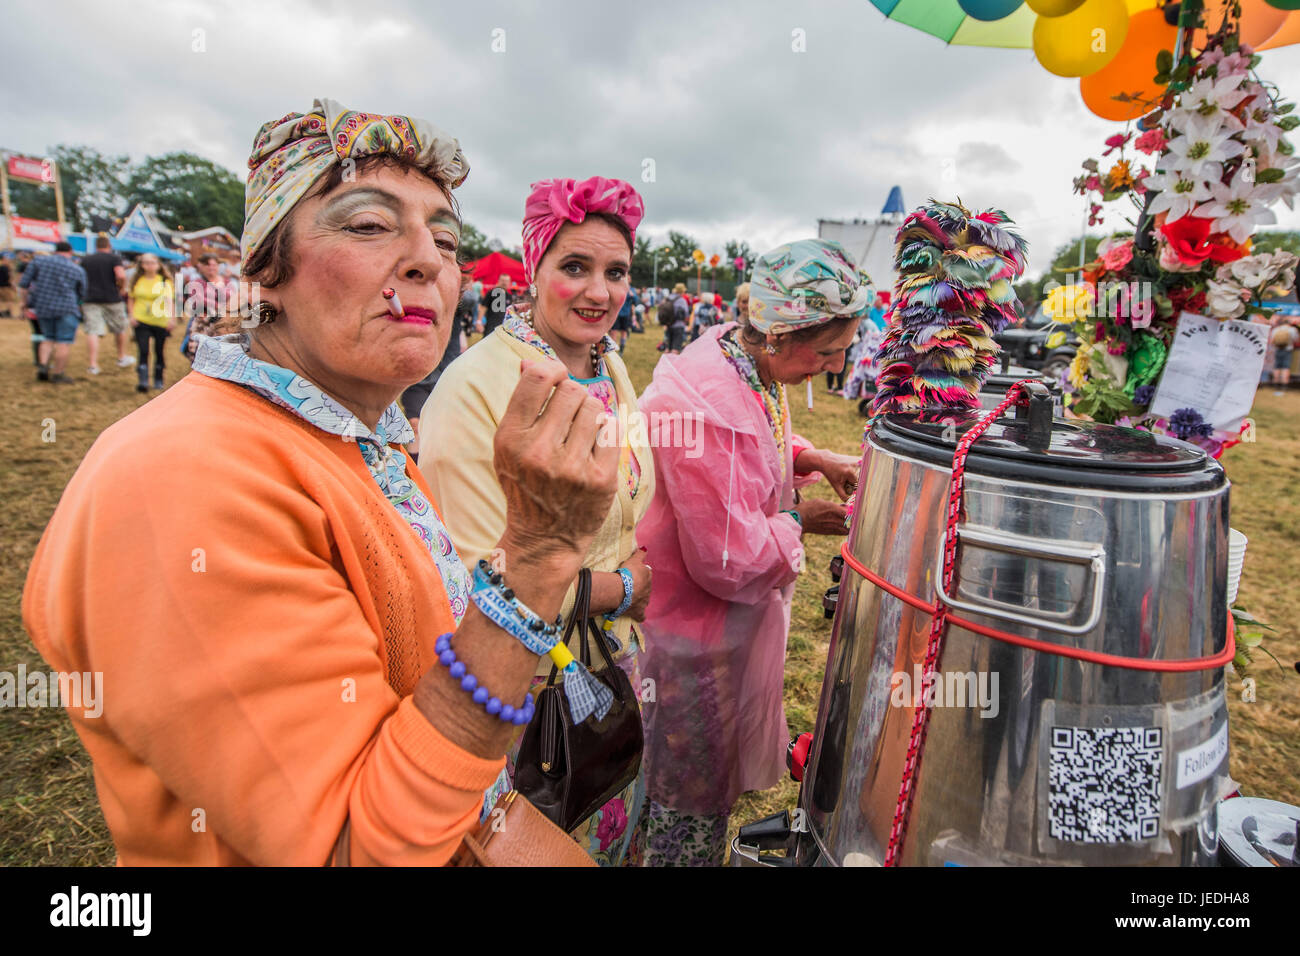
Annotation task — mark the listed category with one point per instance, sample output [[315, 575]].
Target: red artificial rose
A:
[[1190, 239], [1187, 298]]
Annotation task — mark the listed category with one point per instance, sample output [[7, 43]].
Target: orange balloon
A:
[[1132, 69], [1259, 21], [1287, 34]]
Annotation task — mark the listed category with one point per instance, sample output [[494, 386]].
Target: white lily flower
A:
[[1214, 97], [1237, 209], [1288, 187], [1179, 194], [1204, 141]]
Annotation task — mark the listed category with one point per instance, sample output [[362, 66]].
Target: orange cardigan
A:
[[260, 614]]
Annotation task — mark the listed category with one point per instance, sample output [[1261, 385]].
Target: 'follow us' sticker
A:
[[1197, 763]]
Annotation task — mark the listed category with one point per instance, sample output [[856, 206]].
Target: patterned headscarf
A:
[[553, 202], [292, 153], [806, 283]]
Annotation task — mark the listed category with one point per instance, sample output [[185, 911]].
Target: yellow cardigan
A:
[[457, 427]]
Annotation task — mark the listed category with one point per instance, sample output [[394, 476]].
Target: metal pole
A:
[[58, 196], [4, 197], [655, 283]]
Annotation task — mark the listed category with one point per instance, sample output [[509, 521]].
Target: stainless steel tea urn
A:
[[1104, 542]]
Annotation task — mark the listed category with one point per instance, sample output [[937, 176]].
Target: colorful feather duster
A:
[[954, 293]]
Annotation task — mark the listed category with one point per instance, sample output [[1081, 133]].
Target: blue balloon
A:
[[989, 9]]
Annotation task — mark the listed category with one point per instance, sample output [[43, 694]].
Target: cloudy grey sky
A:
[[749, 139]]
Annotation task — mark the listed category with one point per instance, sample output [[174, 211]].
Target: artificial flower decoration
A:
[[1221, 158], [1115, 142], [1068, 303], [1215, 97], [1189, 238], [1120, 175], [1179, 194], [1152, 141], [1237, 208], [1225, 300], [1203, 141], [1115, 253]]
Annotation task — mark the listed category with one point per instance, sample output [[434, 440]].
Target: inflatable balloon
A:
[[1083, 41], [1288, 33], [989, 9], [1137, 6], [1132, 70], [1259, 21], [1285, 4], [1053, 8]]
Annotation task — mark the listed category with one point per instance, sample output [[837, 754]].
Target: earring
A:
[[770, 349], [532, 289]]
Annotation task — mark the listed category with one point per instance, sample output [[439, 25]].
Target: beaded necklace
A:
[[774, 399]]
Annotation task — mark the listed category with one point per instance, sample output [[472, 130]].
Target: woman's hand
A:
[[841, 471], [557, 464], [641, 575], [822, 517]]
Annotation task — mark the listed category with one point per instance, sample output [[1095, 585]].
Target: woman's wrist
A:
[[797, 515], [606, 591], [540, 573], [807, 461]]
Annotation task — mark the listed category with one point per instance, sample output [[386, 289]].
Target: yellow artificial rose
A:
[[1079, 368], [1068, 303]]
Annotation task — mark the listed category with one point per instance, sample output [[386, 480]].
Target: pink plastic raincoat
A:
[[725, 560]]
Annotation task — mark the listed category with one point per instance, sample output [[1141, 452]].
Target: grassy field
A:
[[48, 810]]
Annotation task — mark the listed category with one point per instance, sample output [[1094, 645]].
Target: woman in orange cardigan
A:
[[307, 673]]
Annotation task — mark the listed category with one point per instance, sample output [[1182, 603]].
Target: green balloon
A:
[[1284, 4]]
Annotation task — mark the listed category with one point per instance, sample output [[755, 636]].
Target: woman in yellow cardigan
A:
[[578, 241]]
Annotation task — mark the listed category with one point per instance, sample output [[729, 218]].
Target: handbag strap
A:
[[580, 619]]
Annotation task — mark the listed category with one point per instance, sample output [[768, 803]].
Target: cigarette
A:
[[808, 382], [394, 303]]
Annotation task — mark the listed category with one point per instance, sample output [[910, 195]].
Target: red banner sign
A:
[[32, 170], [40, 230]]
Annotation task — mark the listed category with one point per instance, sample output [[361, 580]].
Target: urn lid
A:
[[1031, 445]]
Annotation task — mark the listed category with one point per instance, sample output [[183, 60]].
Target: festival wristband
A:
[[586, 693], [500, 606], [628, 585]]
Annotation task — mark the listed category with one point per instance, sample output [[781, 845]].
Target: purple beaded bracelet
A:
[[469, 683]]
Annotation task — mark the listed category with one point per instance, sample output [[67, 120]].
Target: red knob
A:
[[796, 755]]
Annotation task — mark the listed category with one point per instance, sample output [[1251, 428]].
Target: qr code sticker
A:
[[1103, 784]]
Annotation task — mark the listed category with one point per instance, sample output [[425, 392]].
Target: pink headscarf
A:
[[553, 202]]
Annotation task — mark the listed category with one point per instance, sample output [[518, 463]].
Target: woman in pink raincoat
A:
[[723, 535]]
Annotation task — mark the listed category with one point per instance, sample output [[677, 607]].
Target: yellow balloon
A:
[[1054, 8], [1137, 6], [1083, 41]]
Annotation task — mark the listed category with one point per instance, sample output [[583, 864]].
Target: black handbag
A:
[[567, 770]]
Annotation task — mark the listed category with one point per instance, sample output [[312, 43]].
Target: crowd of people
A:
[[58, 293]]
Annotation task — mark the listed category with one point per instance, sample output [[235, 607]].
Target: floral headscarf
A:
[[553, 202], [806, 283], [292, 153]]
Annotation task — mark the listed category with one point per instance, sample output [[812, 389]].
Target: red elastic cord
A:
[[1092, 657]]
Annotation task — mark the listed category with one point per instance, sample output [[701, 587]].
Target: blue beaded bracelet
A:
[[628, 584], [469, 683]]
